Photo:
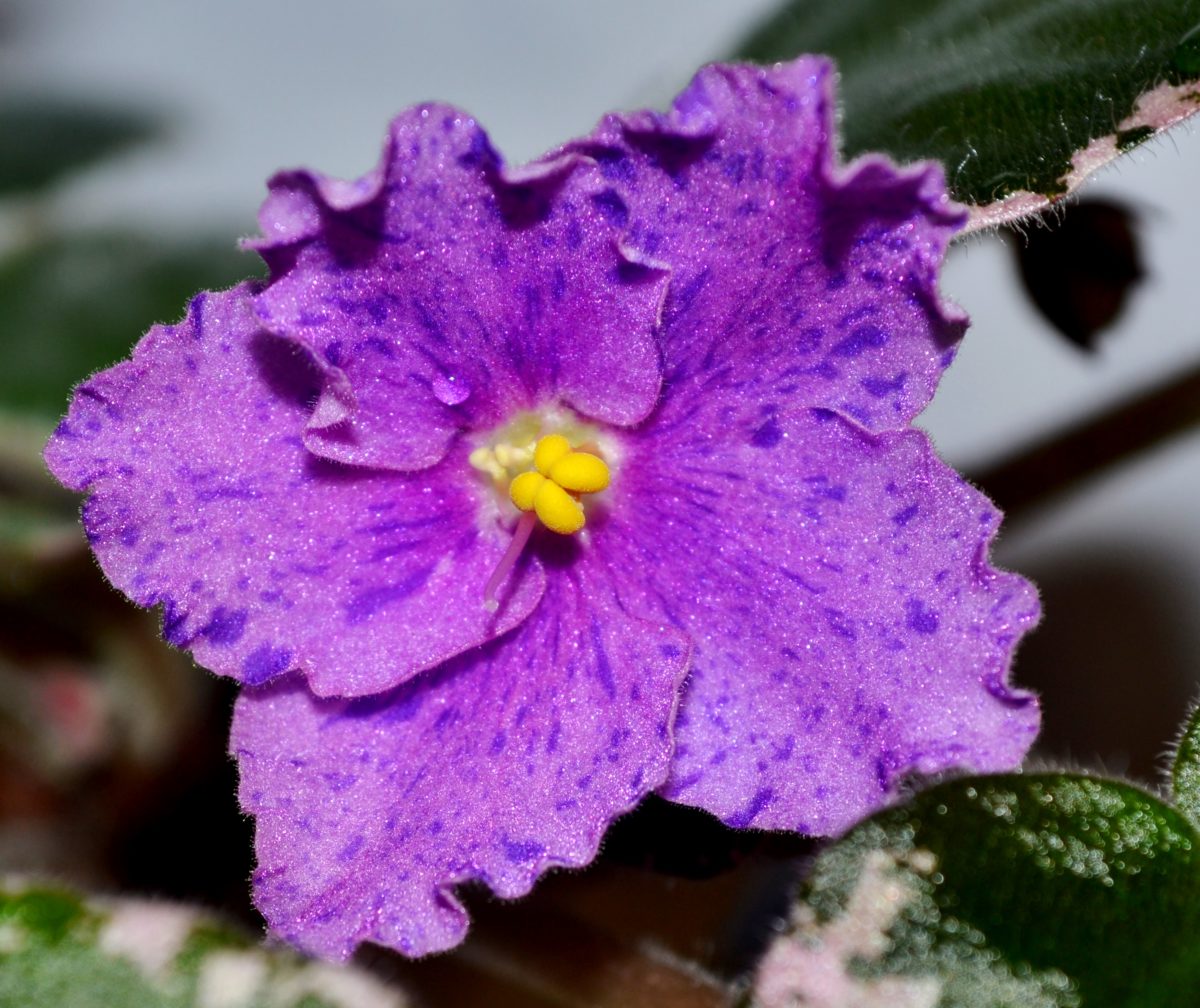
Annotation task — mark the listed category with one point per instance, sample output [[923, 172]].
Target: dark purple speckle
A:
[[603, 670], [880, 387], [265, 662], [365, 604], [225, 626], [862, 338], [521, 851], [610, 204], [919, 618], [174, 628], [767, 434], [746, 815], [352, 848]]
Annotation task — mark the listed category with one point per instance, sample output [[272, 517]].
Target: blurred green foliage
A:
[[47, 139], [72, 304]]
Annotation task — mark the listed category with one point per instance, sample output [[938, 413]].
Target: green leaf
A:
[[59, 949], [47, 139], [75, 304], [1004, 92], [1185, 770], [1037, 890]]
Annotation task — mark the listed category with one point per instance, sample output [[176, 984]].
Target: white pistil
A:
[[508, 561]]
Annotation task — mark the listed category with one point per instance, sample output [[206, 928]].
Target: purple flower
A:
[[778, 606]]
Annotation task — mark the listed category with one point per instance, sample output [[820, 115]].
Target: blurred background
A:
[[135, 140]]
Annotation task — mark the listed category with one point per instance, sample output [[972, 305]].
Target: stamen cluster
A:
[[551, 488]]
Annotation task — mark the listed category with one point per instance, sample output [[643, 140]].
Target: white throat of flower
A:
[[544, 463]]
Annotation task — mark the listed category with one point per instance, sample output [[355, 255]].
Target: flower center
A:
[[544, 477], [551, 488], [542, 462]]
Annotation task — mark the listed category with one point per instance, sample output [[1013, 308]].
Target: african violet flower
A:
[[765, 597]]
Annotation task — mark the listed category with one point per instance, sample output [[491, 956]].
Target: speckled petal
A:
[[266, 559], [442, 291], [790, 276], [847, 627], [502, 763]]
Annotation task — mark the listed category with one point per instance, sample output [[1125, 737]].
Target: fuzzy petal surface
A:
[[780, 606], [817, 284], [266, 559], [830, 570], [502, 763], [846, 626], [443, 292]]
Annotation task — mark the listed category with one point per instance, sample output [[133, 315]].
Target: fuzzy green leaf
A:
[[1038, 890], [59, 949], [1185, 770], [1004, 92]]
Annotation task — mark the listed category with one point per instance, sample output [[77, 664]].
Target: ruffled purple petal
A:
[[286, 472], [790, 276], [847, 627], [265, 559], [442, 291], [502, 763]]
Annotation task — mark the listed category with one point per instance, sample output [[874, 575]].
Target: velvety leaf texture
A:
[[1003, 92], [62, 949], [1047, 890], [1185, 769], [779, 604]]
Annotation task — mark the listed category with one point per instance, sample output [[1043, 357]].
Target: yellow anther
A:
[[550, 489], [524, 489], [548, 451], [558, 510], [580, 472]]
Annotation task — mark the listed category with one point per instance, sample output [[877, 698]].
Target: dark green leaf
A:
[[79, 303], [1003, 92], [1036, 890], [1185, 770], [45, 139]]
